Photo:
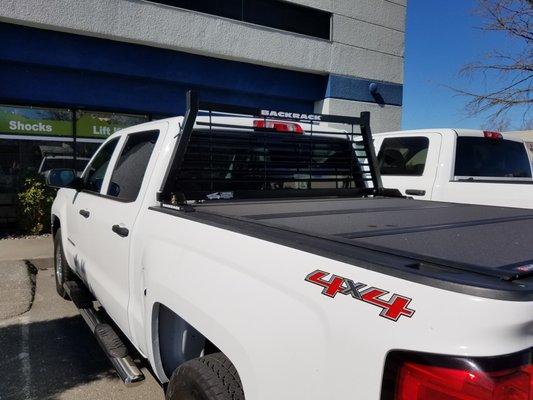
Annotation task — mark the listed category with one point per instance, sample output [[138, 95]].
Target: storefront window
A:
[[34, 140], [20, 159]]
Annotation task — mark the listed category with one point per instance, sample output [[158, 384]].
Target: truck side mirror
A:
[[63, 178]]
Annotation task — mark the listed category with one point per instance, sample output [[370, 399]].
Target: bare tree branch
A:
[[510, 76]]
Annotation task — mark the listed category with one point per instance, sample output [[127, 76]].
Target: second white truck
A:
[[460, 166], [255, 254]]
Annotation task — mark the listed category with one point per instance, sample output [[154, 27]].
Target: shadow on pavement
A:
[[39, 360]]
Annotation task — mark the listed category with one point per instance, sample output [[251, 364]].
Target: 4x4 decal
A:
[[392, 309]]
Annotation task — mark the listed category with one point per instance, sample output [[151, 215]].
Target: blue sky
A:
[[441, 37]]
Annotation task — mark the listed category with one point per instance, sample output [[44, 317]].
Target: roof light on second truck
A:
[[492, 135]]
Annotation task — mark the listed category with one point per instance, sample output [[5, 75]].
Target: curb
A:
[[17, 288], [42, 263]]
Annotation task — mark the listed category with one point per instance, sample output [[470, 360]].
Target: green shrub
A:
[[33, 205]]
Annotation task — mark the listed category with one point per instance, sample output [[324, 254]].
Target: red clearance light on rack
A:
[[424, 382], [492, 135], [278, 126]]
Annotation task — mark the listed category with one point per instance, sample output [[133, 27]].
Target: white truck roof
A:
[[245, 122], [524, 135], [514, 136]]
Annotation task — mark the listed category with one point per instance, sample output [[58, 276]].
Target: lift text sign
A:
[[100, 125]]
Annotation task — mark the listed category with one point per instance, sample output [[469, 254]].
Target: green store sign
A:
[[91, 124], [35, 121], [58, 122]]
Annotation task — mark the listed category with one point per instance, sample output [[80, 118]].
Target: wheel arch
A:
[[176, 340]]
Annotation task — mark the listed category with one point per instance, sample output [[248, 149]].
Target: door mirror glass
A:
[[61, 178]]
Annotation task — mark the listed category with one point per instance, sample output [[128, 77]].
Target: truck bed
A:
[[490, 238], [462, 247]]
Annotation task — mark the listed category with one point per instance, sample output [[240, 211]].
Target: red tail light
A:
[[423, 382], [429, 377], [278, 126], [492, 135]]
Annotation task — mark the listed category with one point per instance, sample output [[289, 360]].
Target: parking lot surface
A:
[[49, 353]]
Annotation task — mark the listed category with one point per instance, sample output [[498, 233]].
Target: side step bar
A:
[[115, 349]]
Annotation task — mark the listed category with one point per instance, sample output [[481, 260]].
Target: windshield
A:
[[482, 157]]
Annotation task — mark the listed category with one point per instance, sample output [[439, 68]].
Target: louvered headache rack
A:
[[217, 158]]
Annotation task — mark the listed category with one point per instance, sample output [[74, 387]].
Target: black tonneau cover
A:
[[490, 240], [481, 250]]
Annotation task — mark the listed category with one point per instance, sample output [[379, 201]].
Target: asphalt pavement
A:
[[49, 353]]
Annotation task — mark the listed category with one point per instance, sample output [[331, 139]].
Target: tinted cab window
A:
[[94, 176], [131, 165], [403, 156], [484, 157], [264, 161]]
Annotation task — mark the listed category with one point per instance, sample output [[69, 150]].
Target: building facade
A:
[[72, 72]]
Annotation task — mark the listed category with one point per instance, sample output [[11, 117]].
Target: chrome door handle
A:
[[120, 230], [85, 213], [415, 192]]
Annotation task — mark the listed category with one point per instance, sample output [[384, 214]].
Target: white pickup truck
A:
[[460, 166], [254, 254]]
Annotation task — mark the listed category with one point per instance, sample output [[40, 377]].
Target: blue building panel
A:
[[349, 88], [52, 68], [60, 68], [37, 85]]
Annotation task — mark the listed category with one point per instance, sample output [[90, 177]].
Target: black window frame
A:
[[85, 177], [395, 138], [122, 148], [274, 14]]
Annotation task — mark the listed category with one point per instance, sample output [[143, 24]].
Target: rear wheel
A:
[[62, 271], [212, 377]]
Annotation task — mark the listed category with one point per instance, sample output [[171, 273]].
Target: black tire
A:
[[62, 271], [212, 377]]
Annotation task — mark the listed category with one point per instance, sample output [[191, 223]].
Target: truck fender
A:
[[178, 341], [175, 340]]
